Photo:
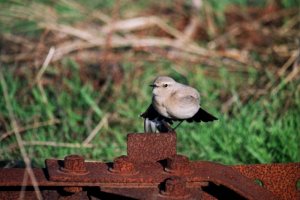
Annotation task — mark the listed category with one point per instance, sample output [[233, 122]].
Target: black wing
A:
[[152, 114], [203, 116]]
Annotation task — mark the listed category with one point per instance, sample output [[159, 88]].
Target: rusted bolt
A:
[[178, 164], [123, 165], [75, 165], [175, 188]]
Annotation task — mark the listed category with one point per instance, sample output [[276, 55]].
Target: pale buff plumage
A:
[[173, 101]]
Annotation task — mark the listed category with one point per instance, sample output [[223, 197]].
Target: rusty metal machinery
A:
[[152, 169]]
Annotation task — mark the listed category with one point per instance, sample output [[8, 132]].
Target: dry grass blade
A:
[[288, 63], [133, 42], [17, 39], [72, 46], [232, 32], [94, 37], [24, 183], [126, 25], [101, 16], [45, 64], [56, 144], [91, 136], [130, 24], [26, 128], [139, 23], [190, 29], [14, 146], [40, 74], [82, 34], [15, 58], [19, 138], [291, 76]]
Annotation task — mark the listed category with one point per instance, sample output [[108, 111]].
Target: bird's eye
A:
[[165, 85]]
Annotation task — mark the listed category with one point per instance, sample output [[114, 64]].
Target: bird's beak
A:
[[153, 85]]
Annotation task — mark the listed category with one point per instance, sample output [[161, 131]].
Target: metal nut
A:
[[74, 164], [175, 187], [178, 164], [123, 165]]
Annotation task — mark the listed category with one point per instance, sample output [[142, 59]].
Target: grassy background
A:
[[261, 129]]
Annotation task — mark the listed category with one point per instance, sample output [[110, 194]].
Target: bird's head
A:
[[162, 85]]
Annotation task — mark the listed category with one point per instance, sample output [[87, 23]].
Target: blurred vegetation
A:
[[247, 74]]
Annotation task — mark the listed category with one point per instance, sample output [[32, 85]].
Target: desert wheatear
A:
[[173, 101]]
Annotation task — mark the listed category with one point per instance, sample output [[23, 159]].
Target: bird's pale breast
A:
[[182, 103], [183, 108], [159, 105]]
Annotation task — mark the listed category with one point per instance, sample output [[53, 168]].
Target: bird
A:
[[173, 101]]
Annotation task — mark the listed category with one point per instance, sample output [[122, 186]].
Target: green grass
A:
[[260, 131]]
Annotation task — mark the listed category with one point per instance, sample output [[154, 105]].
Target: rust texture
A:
[[281, 179], [152, 169], [151, 146], [74, 164]]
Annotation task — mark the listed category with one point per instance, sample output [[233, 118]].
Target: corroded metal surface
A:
[[151, 146], [281, 179], [146, 174]]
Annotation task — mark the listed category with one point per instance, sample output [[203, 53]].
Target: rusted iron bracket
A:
[[152, 169]]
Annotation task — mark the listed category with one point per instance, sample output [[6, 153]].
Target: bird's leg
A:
[[166, 126], [177, 125]]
